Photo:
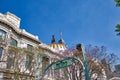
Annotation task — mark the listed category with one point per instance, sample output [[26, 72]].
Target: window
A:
[[2, 35], [10, 62], [1, 52], [28, 61], [29, 46], [13, 42]]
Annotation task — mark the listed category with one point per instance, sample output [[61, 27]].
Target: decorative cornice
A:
[[14, 24]]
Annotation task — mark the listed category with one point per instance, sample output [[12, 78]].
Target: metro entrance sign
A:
[[62, 63]]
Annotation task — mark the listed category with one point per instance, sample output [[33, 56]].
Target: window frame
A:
[[28, 61], [29, 47], [10, 61], [13, 42], [2, 35]]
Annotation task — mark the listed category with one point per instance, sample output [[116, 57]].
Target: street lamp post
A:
[[81, 49]]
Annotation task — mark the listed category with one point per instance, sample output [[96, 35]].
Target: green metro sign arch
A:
[[65, 63]]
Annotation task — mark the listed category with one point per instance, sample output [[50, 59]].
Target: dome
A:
[[58, 46]]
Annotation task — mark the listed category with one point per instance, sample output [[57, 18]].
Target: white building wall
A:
[[11, 25]]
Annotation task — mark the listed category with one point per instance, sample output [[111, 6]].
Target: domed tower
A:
[[60, 46]]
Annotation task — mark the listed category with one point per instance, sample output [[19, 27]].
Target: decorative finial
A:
[[61, 41], [61, 35]]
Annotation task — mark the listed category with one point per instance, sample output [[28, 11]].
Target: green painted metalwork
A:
[[85, 65], [62, 63], [70, 61]]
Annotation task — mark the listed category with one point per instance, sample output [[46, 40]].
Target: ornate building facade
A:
[[20, 51]]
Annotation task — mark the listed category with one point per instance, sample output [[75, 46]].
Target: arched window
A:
[[2, 35]]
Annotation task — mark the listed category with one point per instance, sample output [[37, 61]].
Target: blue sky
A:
[[80, 21]]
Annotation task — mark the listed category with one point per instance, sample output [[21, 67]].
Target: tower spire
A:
[[61, 35], [61, 41], [53, 39]]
